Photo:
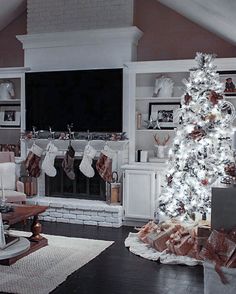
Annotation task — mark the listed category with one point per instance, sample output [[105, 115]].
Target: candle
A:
[[234, 140], [3, 193]]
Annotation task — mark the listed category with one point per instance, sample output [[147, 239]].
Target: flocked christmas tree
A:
[[201, 151]]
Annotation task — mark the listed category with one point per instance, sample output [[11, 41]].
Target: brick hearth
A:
[[76, 211]]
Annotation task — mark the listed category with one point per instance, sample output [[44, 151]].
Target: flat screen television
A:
[[90, 99]]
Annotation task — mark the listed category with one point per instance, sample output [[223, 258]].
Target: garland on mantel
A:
[[43, 134]]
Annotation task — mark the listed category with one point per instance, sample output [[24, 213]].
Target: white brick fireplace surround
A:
[[79, 211], [85, 49]]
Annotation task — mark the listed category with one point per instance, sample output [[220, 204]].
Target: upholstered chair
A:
[[13, 188]]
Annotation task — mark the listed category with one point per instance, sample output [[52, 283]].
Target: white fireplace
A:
[[79, 211], [75, 50]]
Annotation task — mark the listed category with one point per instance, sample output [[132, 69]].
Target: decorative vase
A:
[[161, 150]]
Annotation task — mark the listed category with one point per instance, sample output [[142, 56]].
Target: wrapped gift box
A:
[[163, 237], [147, 229], [151, 238], [219, 248], [184, 246], [203, 234]]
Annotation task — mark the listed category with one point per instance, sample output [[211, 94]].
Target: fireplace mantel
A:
[[84, 49], [78, 145]]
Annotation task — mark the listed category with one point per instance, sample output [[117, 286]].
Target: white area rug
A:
[[138, 247], [42, 271]]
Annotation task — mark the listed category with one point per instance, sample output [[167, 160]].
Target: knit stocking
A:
[[104, 167], [85, 165], [48, 162], [32, 161], [106, 163], [68, 163]]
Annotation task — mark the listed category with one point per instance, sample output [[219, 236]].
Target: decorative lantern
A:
[[30, 185], [113, 190]]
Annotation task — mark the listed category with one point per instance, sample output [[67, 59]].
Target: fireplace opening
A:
[[81, 187]]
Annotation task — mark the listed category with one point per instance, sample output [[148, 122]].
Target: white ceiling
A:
[[9, 10], [217, 16]]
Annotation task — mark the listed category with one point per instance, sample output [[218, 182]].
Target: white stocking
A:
[[86, 163], [48, 162]]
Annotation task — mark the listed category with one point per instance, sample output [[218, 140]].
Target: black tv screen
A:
[[90, 99]]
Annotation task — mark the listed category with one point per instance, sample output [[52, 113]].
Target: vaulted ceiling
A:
[[217, 16], [10, 10]]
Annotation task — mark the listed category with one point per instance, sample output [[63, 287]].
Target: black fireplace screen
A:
[[81, 187]]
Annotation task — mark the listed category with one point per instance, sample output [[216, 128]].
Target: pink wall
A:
[[168, 35], [11, 52]]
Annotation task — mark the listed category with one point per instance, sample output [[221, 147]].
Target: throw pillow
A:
[[8, 175]]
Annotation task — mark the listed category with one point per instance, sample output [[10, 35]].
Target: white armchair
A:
[[13, 189]]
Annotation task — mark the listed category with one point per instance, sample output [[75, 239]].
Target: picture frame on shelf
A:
[[10, 116], [165, 113], [228, 78]]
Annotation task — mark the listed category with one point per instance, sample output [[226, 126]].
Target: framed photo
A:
[[228, 78], [10, 116], [164, 113]]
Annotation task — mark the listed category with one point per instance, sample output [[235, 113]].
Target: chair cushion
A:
[[7, 156], [8, 175], [14, 196]]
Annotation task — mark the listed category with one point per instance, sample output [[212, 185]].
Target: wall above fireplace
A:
[[84, 49]]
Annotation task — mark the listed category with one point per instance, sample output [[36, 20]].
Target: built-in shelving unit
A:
[[12, 105], [143, 180], [141, 78]]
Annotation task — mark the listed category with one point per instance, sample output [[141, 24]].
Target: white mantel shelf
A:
[[78, 145]]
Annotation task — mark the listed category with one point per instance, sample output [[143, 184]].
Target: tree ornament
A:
[[230, 169], [187, 99], [210, 117], [197, 134], [205, 182], [214, 97], [169, 180]]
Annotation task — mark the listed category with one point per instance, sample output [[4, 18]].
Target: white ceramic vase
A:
[[161, 151]]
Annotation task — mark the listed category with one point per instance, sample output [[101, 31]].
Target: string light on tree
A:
[[201, 151]]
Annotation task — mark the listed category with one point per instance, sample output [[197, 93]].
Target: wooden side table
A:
[[22, 212]]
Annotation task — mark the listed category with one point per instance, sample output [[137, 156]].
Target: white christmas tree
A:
[[201, 151]]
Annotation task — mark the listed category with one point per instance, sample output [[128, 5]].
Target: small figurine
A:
[[150, 123], [6, 91], [229, 85]]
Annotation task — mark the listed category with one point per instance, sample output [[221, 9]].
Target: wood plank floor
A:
[[117, 271]]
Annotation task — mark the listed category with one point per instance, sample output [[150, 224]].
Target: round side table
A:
[[21, 246]]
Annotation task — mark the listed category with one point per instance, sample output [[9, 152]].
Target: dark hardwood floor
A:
[[117, 271]]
